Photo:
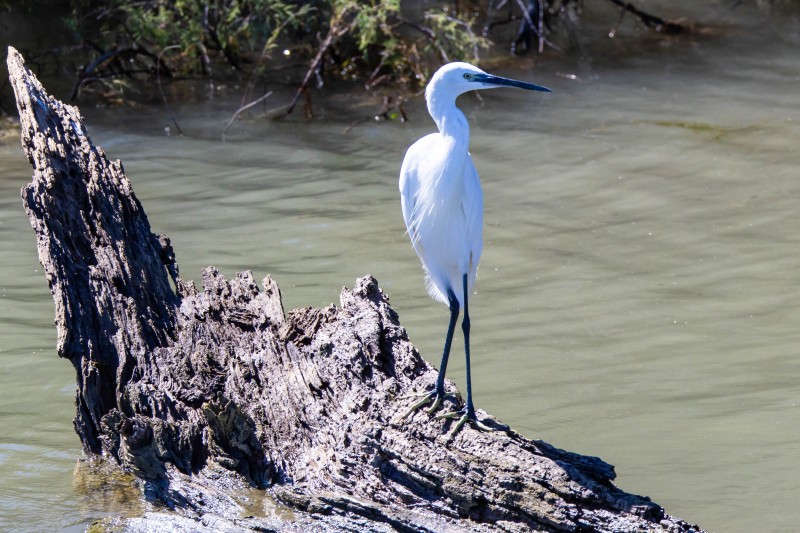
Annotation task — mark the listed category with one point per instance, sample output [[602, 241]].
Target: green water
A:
[[637, 297]]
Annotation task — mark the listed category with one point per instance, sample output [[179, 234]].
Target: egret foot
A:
[[427, 397], [466, 416]]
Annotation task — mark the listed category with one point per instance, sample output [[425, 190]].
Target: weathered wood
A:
[[198, 392]]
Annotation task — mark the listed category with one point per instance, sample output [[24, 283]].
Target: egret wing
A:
[[472, 206], [408, 186], [409, 191]]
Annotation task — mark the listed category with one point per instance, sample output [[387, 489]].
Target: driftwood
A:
[[202, 393]]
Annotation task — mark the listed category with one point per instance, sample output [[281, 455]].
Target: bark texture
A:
[[200, 392]]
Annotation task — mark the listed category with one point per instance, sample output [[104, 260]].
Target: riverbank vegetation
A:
[[110, 49]]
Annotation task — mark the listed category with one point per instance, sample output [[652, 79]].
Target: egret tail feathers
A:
[[434, 291]]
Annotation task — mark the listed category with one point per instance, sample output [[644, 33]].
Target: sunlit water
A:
[[637, 297]]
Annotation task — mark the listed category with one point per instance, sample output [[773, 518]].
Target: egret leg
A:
[[438, 394], [467, 414]]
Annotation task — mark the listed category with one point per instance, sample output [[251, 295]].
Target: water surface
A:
[[637, 297]]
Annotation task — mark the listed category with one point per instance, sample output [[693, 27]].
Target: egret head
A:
[[458, 78]]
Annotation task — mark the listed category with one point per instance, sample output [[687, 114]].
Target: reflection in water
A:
[[637, 297], [101, 489]]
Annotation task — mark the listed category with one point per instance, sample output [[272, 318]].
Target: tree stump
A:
[[202, 392]]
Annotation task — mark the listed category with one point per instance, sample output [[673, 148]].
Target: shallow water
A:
[[637, 296]]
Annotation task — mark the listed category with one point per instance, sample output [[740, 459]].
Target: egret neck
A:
[[454, 130]]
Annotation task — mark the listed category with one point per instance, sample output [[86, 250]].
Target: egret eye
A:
[[467, 76]]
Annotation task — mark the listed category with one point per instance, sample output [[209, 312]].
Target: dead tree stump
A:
[[196, 390]]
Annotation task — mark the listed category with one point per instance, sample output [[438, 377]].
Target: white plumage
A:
[[442, 203], [443, 210]]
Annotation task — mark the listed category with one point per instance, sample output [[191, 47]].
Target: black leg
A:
[[448, 341], [466, 415], [465, 328], [438, 394]]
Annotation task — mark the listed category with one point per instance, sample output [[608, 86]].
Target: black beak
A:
[[506, 82]]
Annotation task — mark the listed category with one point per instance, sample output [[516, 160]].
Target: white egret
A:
[[442, 205]]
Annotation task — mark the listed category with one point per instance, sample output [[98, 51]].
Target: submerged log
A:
[[203, 392]]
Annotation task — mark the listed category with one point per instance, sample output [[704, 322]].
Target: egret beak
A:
[[506, 82]]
